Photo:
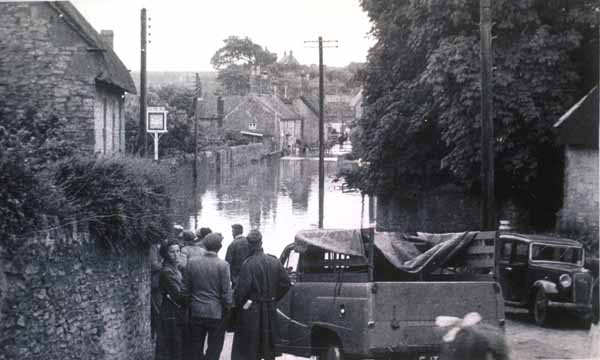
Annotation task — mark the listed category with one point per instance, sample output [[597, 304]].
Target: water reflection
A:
[[279, 197]]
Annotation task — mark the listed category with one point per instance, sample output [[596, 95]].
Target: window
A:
[[252, 126], [291, 264], [557, 253], [506, 250], [521, 252]]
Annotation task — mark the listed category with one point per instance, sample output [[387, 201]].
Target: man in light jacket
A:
[[208, 280]]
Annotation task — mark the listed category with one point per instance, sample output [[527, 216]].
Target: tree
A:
[[235, 61], [422, 94]]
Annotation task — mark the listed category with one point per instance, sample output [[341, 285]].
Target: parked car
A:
[[361, 294], [544, 274]]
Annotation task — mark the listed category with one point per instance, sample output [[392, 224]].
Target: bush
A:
[[124, 200]]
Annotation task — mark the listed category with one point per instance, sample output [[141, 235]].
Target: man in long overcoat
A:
[[261, 283]]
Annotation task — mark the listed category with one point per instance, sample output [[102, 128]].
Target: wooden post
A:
[[321, 136], [488, 216], [143, 109]]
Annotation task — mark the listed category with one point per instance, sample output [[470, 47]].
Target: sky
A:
[[184, 34]]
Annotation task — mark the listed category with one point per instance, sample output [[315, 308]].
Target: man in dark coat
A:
[[261, 283], [237, 251]]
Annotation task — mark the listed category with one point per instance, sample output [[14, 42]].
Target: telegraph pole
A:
[[143, 109], [322, 129], [488, 208]]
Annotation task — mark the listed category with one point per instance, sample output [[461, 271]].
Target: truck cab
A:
[[544, 274], [350, 299]]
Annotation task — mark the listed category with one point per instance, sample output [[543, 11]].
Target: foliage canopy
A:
[[422, 93]]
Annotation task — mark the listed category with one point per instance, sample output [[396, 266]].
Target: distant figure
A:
[[262, 282], [177, 231], [208, 280], [469, 340], [237, 251], [173, 310]]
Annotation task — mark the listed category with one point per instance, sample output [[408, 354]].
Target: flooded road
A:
[[278, 196]]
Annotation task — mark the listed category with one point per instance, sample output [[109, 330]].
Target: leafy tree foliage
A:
[[235, 60], [422, 93]]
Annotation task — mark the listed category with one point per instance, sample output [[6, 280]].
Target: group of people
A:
[[197, 297]]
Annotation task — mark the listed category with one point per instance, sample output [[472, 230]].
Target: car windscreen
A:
[[566, 254]]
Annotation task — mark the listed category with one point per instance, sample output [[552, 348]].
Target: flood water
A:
[[279, 197]]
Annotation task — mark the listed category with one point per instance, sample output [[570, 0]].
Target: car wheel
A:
[[540, 308], [331, 352]]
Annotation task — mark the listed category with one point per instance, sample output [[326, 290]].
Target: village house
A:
[[577, 131], [52, 61]]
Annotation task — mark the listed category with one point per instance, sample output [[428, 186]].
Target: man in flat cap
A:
[[261, 283], [209, 283]]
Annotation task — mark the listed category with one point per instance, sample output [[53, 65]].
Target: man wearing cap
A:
[[209, 283], [237, 251], [261, 283], [194, 247], [188, 238]]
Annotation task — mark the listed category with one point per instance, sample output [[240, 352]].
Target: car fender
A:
[[548, 286]]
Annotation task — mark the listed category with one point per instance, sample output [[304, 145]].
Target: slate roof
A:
[[113, 71], [579, 125]]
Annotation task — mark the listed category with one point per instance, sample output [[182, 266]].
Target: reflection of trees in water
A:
[[296, 177], [181, 189], [251, 189]]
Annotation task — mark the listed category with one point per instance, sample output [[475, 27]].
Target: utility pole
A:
[[143, 109], [322, 128], [197, 114], [488, 207]]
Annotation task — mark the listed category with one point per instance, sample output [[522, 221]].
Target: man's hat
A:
[[212, 241], [188, 236], [254, 237], [202, 232]]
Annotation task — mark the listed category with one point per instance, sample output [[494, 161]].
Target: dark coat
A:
[[173, 314], [237, 252], [263, 280]]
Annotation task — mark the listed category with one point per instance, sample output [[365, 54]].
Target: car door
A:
[[505, 251], [289, 260], [518, 277]]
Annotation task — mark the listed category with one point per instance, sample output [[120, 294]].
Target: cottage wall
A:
[[63, 298], [109, 125], [310, 127], [47, 67], [580, 200]]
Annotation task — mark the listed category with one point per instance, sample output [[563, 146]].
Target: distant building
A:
[[577, 130], [54, 62]]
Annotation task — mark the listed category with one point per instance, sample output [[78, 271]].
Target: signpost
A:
[[156, 124]]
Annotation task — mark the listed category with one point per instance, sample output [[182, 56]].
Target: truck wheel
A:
[[540, 308], [332, 352]]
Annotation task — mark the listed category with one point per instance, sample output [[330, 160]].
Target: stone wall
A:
[[61, 297], [442, 210], [579, 214]]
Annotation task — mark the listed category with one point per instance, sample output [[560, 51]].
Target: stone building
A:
[[577, 130], [53, 62]]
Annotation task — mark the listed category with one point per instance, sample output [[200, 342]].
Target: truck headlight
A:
[[565, 280]]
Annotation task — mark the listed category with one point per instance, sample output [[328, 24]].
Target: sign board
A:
[[157, 119]]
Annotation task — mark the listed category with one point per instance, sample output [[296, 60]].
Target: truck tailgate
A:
[[403, 313]]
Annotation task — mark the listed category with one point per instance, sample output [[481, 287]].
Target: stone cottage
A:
[[52, 61], [577, 130]]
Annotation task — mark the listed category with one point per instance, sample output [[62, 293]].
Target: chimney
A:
[[107, 36]]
